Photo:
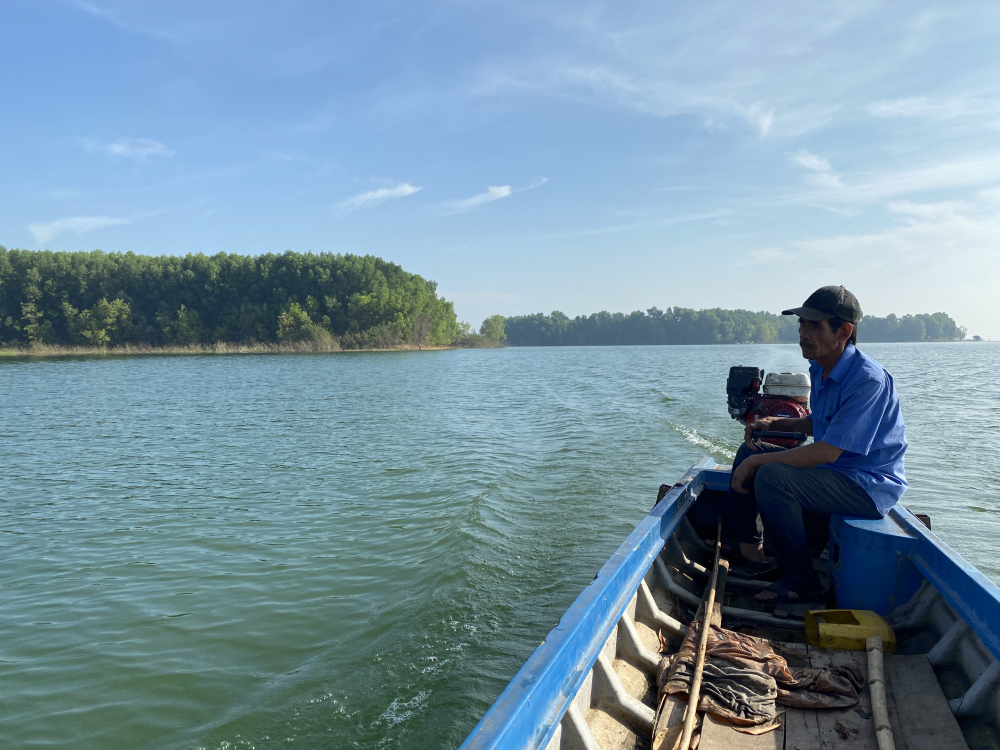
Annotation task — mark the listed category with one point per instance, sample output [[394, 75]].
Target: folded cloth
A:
[[744, 679], [826, 687]]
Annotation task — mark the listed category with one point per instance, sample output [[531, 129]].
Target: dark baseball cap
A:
[[829, 302]]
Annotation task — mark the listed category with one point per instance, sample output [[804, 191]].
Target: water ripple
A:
[[359, 550]]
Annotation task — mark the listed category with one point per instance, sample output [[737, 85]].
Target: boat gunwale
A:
[[573, 646], [974, 597]]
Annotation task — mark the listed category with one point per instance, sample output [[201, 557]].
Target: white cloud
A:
[[139, 149], [822, 173], [76, 224], [916, 106], [812, 161], [939, 256], [758, 115], [976, 169], [873, 187], [782, 73], [934, 109], [493, 193], [374, 197]]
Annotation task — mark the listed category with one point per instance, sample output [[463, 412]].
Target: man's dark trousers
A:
[[781, 493]]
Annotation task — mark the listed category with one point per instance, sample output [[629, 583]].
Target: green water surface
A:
[[360, 549]]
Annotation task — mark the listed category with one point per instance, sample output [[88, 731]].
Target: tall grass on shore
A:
[[229, 347], [219, 347]]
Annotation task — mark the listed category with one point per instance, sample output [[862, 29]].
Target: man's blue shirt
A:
[[856, 409]]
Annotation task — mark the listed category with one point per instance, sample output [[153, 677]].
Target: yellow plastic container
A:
[[847, 629]]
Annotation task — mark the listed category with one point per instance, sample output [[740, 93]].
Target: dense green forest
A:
[[678, 325], [98, 299], [112, 299]]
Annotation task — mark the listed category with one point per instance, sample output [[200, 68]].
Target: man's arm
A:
[[813, 454]]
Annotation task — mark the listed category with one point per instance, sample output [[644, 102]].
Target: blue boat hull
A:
[[894, 566]]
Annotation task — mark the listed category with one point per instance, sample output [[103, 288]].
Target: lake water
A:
[[360, 549]]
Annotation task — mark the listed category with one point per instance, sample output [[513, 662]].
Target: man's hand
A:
[[764, 423], [814, 454], [743, 474]]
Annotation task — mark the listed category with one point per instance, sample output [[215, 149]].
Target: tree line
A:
[[110, 299], [678, 325], [101, 300]]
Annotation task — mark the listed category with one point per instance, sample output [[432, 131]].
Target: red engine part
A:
[[775, 406]]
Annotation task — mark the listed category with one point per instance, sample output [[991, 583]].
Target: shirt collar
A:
[[840, 369]]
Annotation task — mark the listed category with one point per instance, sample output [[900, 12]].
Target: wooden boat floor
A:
[[918, 711]]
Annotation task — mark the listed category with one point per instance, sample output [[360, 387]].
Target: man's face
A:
[[817, 339]]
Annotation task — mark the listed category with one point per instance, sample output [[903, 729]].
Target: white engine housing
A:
[[794, 384]]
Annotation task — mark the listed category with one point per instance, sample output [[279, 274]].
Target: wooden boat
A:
[[592, 684]]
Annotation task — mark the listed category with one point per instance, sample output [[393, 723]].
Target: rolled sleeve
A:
[[855, 424]]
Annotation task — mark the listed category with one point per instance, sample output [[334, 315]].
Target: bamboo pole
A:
[[876, 686], [699, 666]]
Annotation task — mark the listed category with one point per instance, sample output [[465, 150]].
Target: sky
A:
[[528, 156]]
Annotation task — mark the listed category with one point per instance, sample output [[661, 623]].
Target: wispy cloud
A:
[[76, 224], [678, 188], [982, 168], [129, 17], [493, 193], [934, 109], [726, 64], [964, 232], [139, 149], [374, 197], [869, 188], [95, 11], [254, 33], [957, 239], [757, 114], [782, 73], [667, 221], [822, 173], [765, 255]]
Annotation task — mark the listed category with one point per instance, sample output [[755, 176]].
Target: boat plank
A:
[[716, 735], [801, 729], [826, 729], [918, 710], [668, 721]]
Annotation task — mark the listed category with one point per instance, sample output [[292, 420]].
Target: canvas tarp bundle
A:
[[745, 680]]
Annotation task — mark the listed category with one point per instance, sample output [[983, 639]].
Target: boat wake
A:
[[717, 446]]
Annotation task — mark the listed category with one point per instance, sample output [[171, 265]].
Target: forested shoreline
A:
[[290, 301], [84, 301], [677, 325]]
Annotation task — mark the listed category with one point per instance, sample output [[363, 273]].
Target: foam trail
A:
[[714, 445]]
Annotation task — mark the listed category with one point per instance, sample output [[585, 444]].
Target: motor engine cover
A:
[[747, 405]]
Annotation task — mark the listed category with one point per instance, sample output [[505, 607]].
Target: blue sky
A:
[[528, 156]]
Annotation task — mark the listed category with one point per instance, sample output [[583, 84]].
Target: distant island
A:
[[224, 302], [679, 325], [124, 302]]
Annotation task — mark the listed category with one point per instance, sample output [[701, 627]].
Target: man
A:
[[853, 467]]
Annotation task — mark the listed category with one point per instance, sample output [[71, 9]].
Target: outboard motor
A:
[[785, 395]]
